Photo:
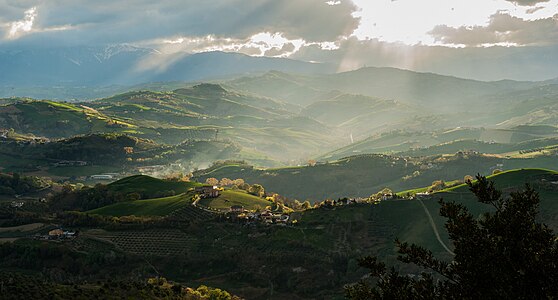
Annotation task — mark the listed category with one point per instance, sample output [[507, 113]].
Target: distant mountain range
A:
[[129, 65]]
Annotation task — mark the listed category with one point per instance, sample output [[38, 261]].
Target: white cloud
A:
[[23, 26], [527, 2], [502, 29], [410, 21]]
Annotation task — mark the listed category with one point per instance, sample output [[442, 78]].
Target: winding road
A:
[[436, 232]]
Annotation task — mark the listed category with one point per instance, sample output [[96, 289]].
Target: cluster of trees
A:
[[506, 254], [19, 286], [87, 198], [381, 195], [62, 262], [283, 203], [12, 184], [254, 189], [77, 219], [81, 198], [201, 293]]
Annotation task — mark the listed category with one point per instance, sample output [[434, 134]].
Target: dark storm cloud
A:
[[105, 21]]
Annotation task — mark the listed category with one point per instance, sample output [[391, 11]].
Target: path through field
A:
[[436, 232]]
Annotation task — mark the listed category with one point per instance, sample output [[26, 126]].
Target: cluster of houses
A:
[[208, 191], [106, 176], [237, 212], [70, 163], [57, 234], [17, 204]]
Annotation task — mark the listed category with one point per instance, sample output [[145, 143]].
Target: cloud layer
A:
[[502, 29], [347, 33], [527, 2], [120, 21]]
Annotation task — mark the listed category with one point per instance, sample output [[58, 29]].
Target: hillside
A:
[[359, 114], [149, 207], [149, 186], [325, 238], [229, 198], [427, 89], [449, 141], [363, 175], [113, 153], [56, 119], [508, 181], [270, 129]]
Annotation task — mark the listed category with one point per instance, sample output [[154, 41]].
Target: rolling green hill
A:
[[149, 207], [362, 175], [111, 153], [149, 186], [269, 128], [508, 181], [424, 143], [418, 88], [229, 198], [57, 119], [359, 114]]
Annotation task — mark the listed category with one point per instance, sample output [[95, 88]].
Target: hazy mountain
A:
[[128, 65], [427, 89]]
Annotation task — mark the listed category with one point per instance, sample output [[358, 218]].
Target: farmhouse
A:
[[56, 233], [70, 163], [102, 177], [207, 191], [237, 208]]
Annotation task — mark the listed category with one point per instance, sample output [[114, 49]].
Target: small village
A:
[[57, 234]]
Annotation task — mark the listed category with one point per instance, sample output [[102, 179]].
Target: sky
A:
[[483, 39]]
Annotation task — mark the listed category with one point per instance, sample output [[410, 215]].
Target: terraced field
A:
[[152, 242], [190, 213]]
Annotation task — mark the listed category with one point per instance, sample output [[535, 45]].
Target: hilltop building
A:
[[237, 208], [207, 191]]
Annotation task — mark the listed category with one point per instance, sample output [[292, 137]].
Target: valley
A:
[[269, 186]]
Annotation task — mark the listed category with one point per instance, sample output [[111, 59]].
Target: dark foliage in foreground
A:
[[504, 255]]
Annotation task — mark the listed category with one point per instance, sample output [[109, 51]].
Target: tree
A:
[[306, 205], [257, 190], [436, 186], [225, 182], [505, 254], [212, 181], [468, 178], [386, 192]]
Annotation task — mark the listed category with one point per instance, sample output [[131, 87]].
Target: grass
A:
[[149, 186], [506, 181], [150, 207], [229, 198], [509, 178]]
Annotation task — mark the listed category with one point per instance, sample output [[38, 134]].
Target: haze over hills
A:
[[107, 69], [270, 150], [287, 117]]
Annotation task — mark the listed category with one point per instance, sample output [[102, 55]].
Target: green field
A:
[[149, 186], [150, 207], [506, 181], [510, 178], [229, 198]]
